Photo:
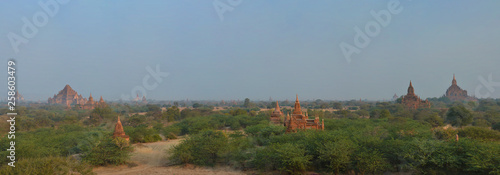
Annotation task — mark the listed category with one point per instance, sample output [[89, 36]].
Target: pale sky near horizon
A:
[[261, 48]]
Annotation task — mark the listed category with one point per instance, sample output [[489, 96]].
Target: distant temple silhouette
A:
[[19, 97], [395, 97], [412, 101], [69, 97], [138, 100], [455, 93]]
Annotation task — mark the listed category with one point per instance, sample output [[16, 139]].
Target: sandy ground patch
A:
[[151, 158], [147, 170]]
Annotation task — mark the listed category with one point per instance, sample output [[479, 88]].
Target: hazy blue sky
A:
[[261, 49]]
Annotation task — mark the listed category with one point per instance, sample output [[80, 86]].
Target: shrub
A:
[[445, 134], [479, 133], [288, 157], [48, 165], [429, 155], [337, 154], [108, 152], [239, 150], [265, 130], [459, 116], [182, 153], [366, 160], [204, 149], [142, 134], [152, 138], [171, 136], [262, 132], [478, 157], [496, 126], [174, 129]]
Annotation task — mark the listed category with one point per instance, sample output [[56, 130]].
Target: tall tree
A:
[[173, 114], [338, 154], [247, 103], [458, 116]]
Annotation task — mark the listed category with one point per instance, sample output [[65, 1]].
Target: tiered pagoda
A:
[[412, 101], [455, 93], [299, 121], [276, 115], [119, 132], [69, 97]]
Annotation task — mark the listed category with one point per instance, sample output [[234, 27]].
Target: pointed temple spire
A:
[[119, 132], [297, 109], [410, 89], [118, 128], [277, 114], [454, 81], [67, 87], [299, 120]]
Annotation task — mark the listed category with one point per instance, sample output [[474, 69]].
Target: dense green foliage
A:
[[194, 125], [108, 151], [208, 153], [479, 133], [48, 165], [142, 134], [363, 137], [459, 116], [360, 145], [36, 149]]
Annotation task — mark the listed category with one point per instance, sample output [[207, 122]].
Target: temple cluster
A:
[[454, 93], [70, 97], [297, 121], [138, 100]]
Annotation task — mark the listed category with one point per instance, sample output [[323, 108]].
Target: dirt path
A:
[[151, 158]]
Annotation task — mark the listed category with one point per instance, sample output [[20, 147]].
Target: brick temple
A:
[[412, 101], [455, 93], [298, 120], [69, 97], [119, 132], [276, 115]]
